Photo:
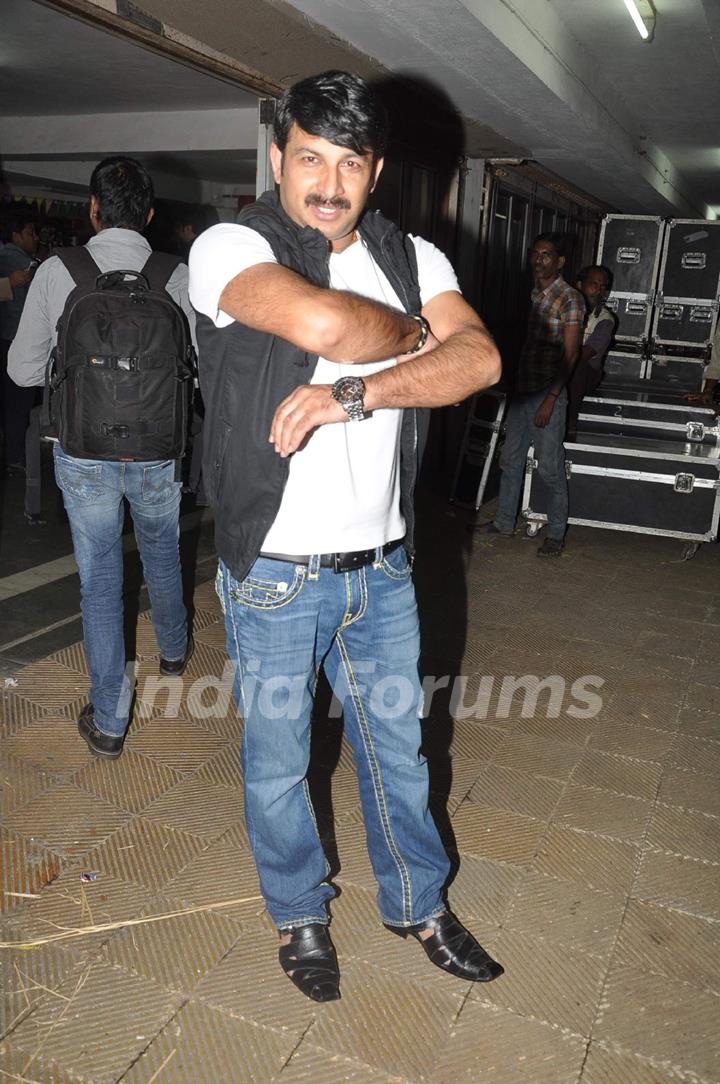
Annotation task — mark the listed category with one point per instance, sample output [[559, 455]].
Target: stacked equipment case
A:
[[645, 459]]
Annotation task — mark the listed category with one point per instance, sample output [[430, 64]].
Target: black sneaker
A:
[[176, 667], [101, 745]]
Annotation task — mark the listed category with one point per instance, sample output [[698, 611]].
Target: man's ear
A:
[[151, 215], [377, 170], [561, 261], [93, 212], [276, 157]]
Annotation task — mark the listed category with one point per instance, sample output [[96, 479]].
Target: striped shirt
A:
[[555, 308]]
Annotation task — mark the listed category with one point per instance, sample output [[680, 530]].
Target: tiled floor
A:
[[586, 820]]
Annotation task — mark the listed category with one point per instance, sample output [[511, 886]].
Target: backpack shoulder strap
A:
[[80, 264], [159, 268]]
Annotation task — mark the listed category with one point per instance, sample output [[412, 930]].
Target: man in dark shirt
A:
[[594, 283], [538, 410], [16, 263]]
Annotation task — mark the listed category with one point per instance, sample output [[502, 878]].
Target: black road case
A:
[[688, 283], [681, 374], [476, 474], [620, 366], [646, 487], [647, 414], [630, 246]]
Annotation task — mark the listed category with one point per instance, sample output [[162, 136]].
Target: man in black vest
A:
[[323, 332]]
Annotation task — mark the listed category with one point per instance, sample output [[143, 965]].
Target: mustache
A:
[[316, 199]]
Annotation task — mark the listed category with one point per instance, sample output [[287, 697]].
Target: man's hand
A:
[[21, 278], [308, 407], [544, 411], [704, 398]]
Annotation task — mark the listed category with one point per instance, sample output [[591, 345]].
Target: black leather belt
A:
[[338, 562]]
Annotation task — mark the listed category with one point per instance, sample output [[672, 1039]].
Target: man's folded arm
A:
[[464, 360], [335, 324]]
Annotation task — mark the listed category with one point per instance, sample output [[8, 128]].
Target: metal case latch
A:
[[695, 431], [684, 483]]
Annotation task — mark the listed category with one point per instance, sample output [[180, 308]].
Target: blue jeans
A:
[[521, 432], [93, 493], [285, 621]]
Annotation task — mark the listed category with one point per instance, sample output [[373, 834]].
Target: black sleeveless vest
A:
[[245, 374]]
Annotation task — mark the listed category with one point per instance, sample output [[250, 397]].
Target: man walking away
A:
[[324, 332], [94, 489], [17, 264], [537, 413]]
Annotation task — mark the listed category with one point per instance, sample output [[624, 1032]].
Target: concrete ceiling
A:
[[570, 83], [567, 83]]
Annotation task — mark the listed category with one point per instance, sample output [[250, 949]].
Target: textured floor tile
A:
[[59, 1028], [540, 756], [16, 712], [682, 831], [685, 883], [695, 754], [482, 890], [602, 812], [73, 657], [506, 788], [497, 833], [637, 778], [250, 983], [546, 980], [475, 740], [198, 807], [700, 723], [31, 979], [177, 952], [641, 710], [640, 742], [564, 728], [15, 1065], [132, 782], [67, 820], [51, 743], [224, 767], [177, 743], [690, 790], [205, 598], [376, 1004], [566, 913], [203, 1044], [604, 864], [310, 1063], [19, 782], [607, 1066], [25, 869], [489, 1044], [145, 853], [678, 945], [679, 1022], [50, 684], [218, 875], [213, 635]]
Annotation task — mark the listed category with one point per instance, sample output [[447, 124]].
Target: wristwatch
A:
[[349, 392], [424, 332]]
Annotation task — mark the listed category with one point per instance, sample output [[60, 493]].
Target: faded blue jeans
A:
[[93, 493], [520, 433], [285, 621]]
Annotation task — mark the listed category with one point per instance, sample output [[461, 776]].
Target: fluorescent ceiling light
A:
[[643, 15]]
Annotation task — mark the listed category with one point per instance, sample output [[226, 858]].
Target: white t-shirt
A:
[[343, 487]]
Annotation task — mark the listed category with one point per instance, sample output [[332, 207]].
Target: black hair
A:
[[124, 192], [15, 217], [337, 106], [585, 271], [559, 241]]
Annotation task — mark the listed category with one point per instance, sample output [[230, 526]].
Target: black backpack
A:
[[119, 382]]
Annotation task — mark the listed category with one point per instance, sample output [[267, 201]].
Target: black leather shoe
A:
[[101, 745], [176, 667], [453, 948], [309, 960]]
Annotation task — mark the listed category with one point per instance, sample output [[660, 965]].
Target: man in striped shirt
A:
[[538, 411]]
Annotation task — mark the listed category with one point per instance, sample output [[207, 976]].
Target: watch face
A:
[[349, 389]]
